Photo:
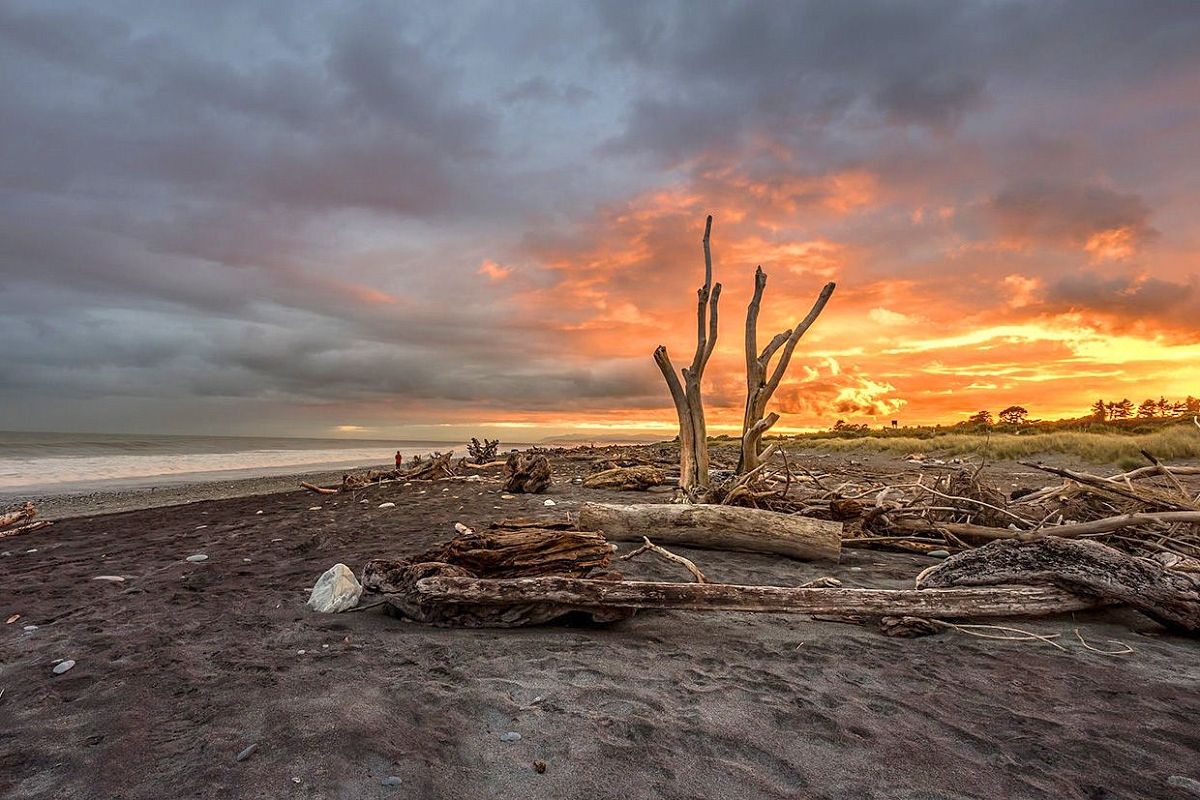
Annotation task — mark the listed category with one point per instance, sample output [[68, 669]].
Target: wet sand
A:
[[185, 664]]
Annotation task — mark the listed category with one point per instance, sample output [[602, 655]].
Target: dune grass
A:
[[1169, 444]]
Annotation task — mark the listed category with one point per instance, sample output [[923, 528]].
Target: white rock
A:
[[63, 666], [30, 628], [336, 590], [549, 503], [508, 497], [113, 578], [257, 512], [315, 508], [197, 557], [387, 505]]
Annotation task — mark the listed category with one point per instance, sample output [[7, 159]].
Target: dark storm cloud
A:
[[1128, 301]]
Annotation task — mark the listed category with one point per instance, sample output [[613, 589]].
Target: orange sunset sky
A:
[[444, 222]]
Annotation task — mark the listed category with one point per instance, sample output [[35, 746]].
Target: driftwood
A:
[[759, 389], [26, 528], [973, 603], [437, 467], [666, 555], [317, 489], [527, 472], [715, 527], [625, 478], [525, 551], [1087, 568], [15, 514], [397, 582], [694, 478]]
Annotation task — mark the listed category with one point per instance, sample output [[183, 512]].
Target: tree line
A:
[[1162, 408]]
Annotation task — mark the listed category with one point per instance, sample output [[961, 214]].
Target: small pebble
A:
[[938, 554], [315, 508], [201, 527], [63, 666], [390, 780], [30, 628], [387, 505], [510, 736], [539, 767], [111, 578], [245, 561], [300, 652], [549, 503], [249, 751], [196, 558], [508, 497], [12, 619], [257, 512], [856, 569], [34, 550]]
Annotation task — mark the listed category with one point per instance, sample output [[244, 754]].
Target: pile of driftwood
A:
[[527, 471], [531, 572], [19, 519]]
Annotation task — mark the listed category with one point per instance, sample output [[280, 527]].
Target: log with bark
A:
[[1086, 568], [953, 603], [714, 527], [627, 479], [524, 551], [17, 514], [527, 472]]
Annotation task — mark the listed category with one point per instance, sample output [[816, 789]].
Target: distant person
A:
[[399, 460]]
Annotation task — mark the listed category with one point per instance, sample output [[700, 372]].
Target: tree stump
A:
[[527, 472]]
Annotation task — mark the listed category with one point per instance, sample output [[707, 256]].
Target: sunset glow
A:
[[388, 224]]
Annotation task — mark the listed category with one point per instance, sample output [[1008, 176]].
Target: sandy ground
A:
[[185, 664]]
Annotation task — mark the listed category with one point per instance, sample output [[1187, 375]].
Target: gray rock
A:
[[63, 666], [390, 780], [336, 590], [196, 558], [30, 628], [249, 751], [510, 736], [938, 554]]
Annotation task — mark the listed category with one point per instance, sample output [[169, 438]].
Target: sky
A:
[[437, 220]]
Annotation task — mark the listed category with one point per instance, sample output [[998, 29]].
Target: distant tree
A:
[[1120, 410], [1100, 410], [1147, 410], [1014, 415], [1191, 406], [980, 419], [840, 425], [1164, 407]]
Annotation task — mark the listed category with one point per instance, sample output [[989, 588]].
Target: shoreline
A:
[[69, 504]]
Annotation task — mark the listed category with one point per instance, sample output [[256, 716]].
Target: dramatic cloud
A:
[[253, 217]]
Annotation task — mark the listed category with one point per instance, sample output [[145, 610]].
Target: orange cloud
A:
[[494, 271]]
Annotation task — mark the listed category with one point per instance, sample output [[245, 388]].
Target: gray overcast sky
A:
[[408, 219]]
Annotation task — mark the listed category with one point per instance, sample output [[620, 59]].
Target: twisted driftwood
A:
[[527, 472], [1086, 568], [625, 478], [715, 527]]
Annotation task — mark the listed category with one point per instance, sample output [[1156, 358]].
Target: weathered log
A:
[[972, 603], [527, 472], [1074, 529], [625, 478], [319, 489], [1081, 566], [15, 514], [396, 581], [714, 527], [526, 551]]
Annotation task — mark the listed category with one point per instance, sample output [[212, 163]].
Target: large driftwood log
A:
[[527, 472], [15, 514], [625, 478], [973, 603], [1085, 567], [759, 389], [396, 581], [694, 479], [715, 527]]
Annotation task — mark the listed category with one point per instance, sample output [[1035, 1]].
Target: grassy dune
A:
[[1174, 443]]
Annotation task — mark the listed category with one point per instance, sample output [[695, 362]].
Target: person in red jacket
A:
[[399, 460]]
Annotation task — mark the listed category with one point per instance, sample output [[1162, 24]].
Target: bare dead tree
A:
[[689, 407], [759, 388]]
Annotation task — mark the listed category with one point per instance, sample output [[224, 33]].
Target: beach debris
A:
[[549, 503], [664, 553], [317, 489], [527, 472], [483, 452], [30, 628], [386, 505], [938, 554], [63, 666], [717, 527], [508, 497], [257, 512], [15, 514], [391, 780], [110, 578], [510, 736], [626, 479], [12, 619], [198, 557], [336, 590], [539, 767], [317, 508], [247, 752]]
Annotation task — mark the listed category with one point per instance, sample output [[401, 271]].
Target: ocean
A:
[[59, 462]]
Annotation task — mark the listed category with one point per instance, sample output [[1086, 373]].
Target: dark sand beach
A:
[[184, 665]]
